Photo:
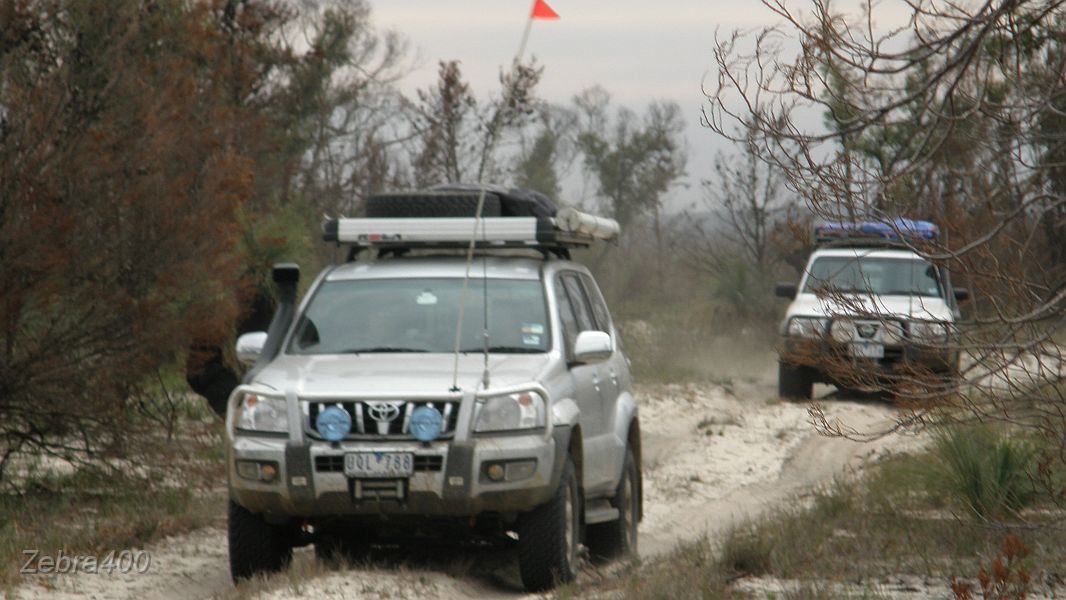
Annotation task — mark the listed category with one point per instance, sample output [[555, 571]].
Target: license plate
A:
[[379, 464], [867, 350]]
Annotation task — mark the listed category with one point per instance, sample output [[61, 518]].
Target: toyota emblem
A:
[[383, 412], [867, 330]]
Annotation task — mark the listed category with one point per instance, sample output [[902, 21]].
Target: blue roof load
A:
[[876, 230]]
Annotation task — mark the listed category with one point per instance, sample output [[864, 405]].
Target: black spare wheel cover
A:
[[431, 204], [514, 202], [520, 202]]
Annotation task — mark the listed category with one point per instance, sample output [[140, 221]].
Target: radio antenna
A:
[[540, 10]]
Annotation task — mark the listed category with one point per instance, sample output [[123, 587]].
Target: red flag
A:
[[541, 10]]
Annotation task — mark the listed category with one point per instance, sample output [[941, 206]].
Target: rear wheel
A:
[[794, 382], [256, 546], [548, 537], [618, 538]]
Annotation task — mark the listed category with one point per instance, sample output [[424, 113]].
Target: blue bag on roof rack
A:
[[867, 231]]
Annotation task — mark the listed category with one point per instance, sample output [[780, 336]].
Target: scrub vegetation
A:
[[913, 515]]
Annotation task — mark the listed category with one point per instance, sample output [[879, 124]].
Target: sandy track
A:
[[713, 455]]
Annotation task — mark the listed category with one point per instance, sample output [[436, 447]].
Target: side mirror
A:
[[592, 347], [786, 290], [961, 294], [250, 346]]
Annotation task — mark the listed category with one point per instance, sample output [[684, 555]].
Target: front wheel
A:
[[618, 538], [548, 537], [255, 546], [794, 382]]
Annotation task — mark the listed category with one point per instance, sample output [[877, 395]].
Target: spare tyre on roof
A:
[[514, 202]]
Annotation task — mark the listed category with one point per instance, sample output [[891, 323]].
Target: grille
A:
[[364, 423], [329, 464], [335, 464], [429, 463]]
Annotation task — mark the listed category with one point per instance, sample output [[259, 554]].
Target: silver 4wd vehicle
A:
[[359, 421], [867, 306]]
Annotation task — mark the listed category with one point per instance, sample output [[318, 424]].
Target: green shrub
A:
[[747, 550], [986, 471]]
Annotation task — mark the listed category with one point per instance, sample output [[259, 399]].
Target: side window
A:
[[566, 315], [580, 302], [599, 307]]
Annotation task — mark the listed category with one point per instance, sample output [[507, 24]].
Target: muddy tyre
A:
[[431, 204], [794, 382], [548, 537], [255, 546], [617, 539]]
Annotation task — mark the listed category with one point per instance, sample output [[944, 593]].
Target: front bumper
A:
[[448, 480], [831, 361]]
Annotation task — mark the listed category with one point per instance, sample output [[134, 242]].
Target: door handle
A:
[[614, 378], [596, 382]]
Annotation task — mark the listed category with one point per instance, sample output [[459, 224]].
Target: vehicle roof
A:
[[867, 252], [495, 267]]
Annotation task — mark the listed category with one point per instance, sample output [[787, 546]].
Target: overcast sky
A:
[[639, 50]]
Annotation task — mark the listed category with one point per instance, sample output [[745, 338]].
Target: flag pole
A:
[[478, 223], [525, 38]]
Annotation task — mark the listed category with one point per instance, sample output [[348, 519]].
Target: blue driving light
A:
[[426, 423], [333, 423]]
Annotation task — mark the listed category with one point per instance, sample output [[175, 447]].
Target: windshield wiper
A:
[[380, 349], [506, 350]]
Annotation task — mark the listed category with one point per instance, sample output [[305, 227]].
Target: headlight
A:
[[842, 331], [257, 412], [515, 411], [929, 332], [892, 332], [806, 327]]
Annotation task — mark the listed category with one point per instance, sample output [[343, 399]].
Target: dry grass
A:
[[295, 579]]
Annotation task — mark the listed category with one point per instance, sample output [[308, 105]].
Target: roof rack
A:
[[880, 233], [568, 229]]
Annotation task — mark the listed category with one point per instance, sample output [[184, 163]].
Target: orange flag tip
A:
[[541, 10]]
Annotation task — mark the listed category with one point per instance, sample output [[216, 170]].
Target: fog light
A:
[[522, 469], [495, 472]]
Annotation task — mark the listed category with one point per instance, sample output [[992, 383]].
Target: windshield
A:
[[882, 276], [420, 315]]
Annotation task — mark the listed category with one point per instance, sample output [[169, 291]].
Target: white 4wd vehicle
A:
[[359, 420], [867, 307]]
